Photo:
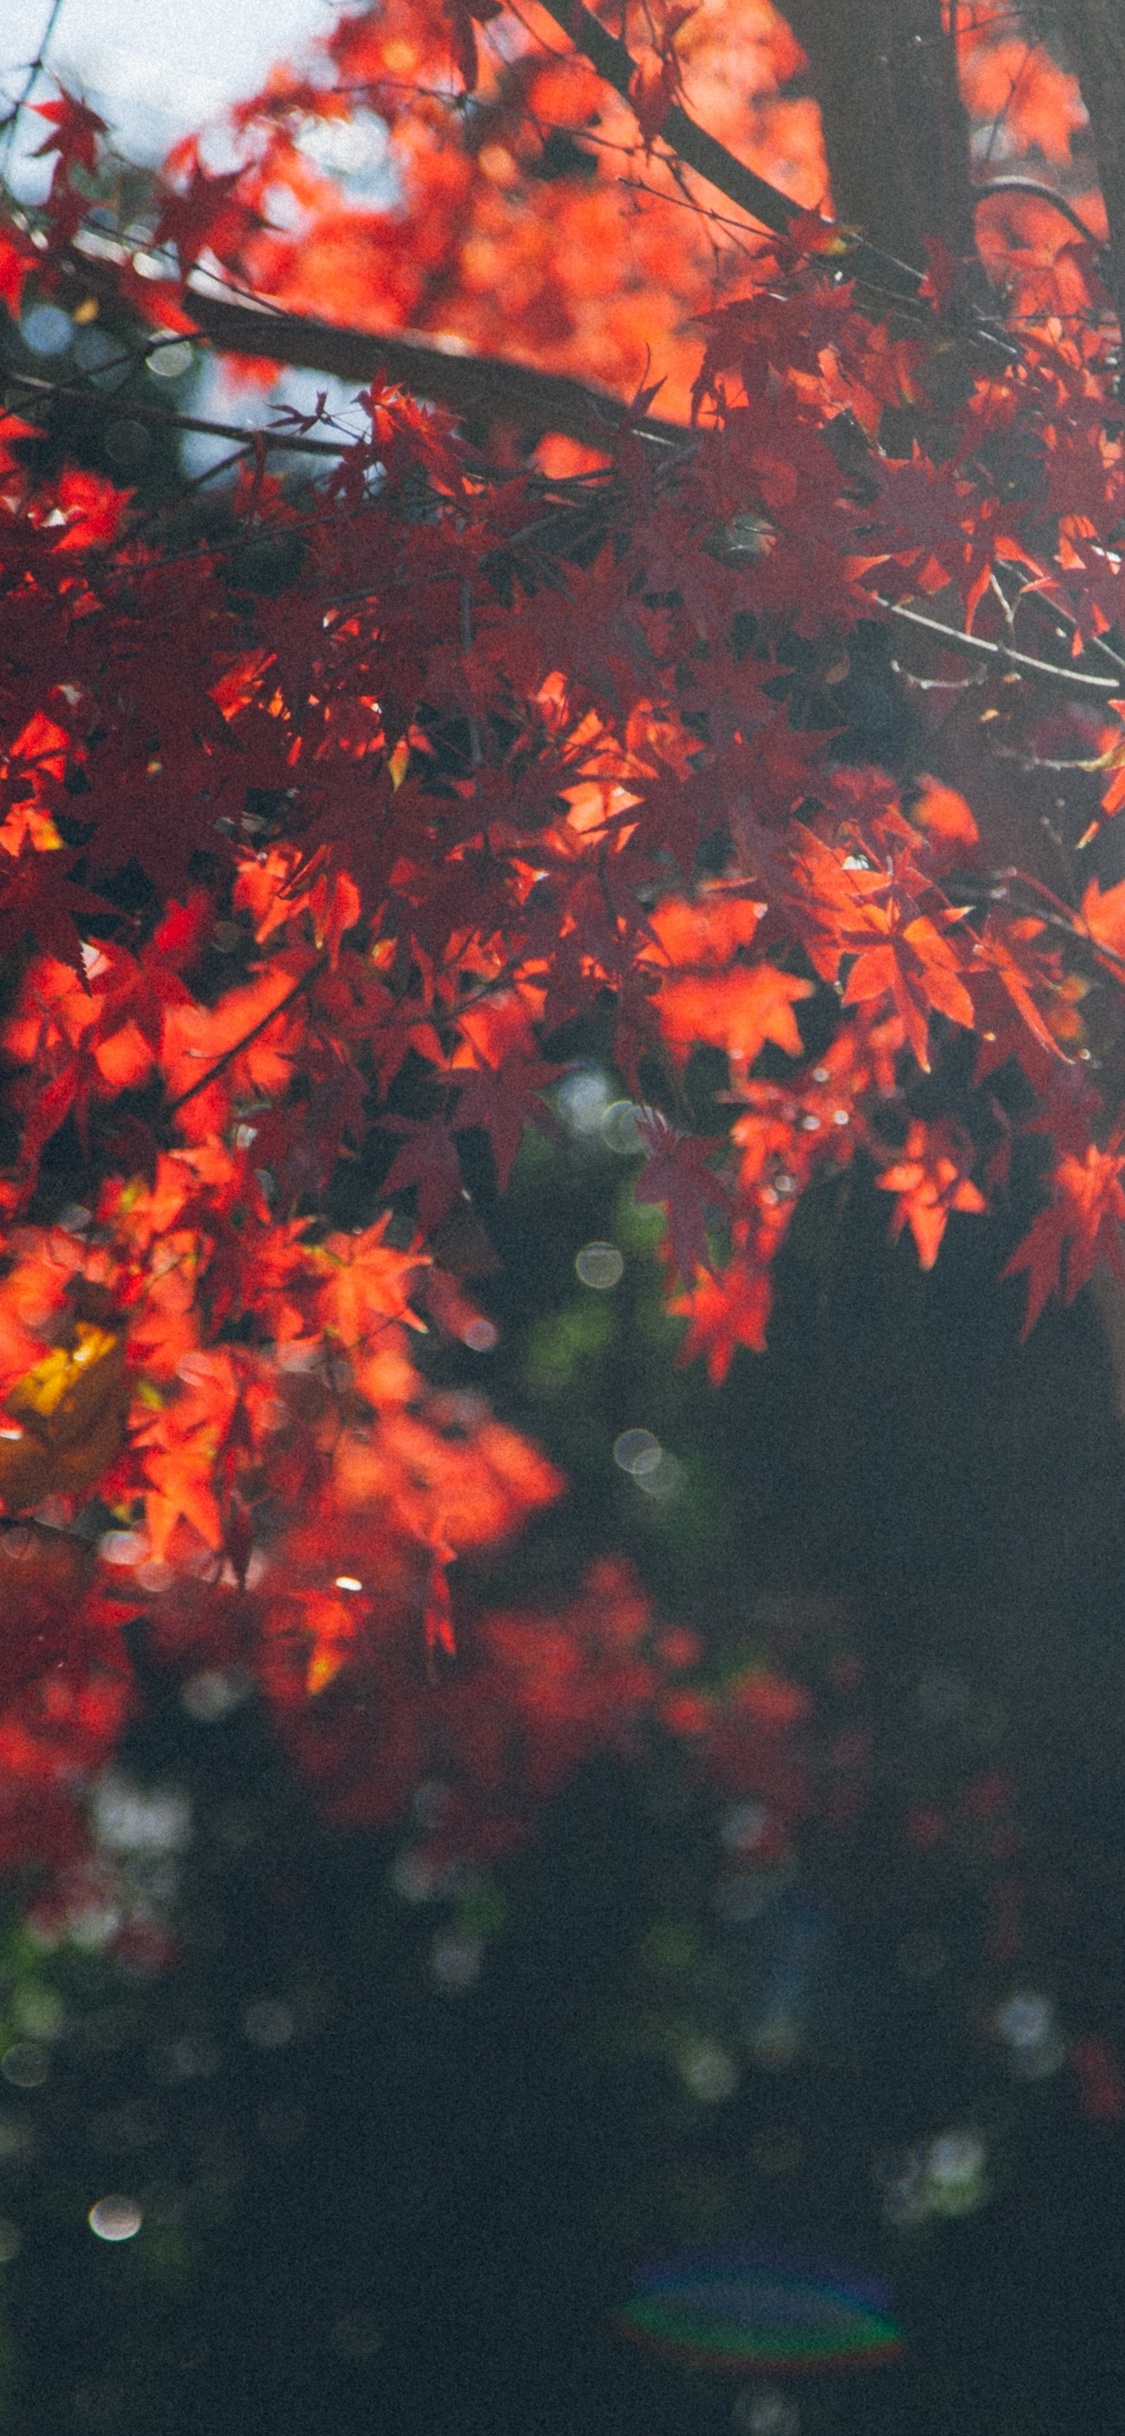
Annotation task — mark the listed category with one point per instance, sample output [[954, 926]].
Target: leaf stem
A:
[[228, 1057]]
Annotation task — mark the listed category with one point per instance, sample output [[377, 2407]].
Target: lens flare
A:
[[746, 2308]]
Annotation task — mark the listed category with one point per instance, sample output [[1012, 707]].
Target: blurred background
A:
[[388, 2141]]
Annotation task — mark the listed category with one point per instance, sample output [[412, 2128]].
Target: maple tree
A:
[[707, 701], [341, 819]]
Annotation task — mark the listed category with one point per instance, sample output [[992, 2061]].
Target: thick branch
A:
[[472, 384], [487, 387]]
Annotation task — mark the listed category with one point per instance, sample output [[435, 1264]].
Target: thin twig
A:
[[125, 410], [35, 68], [1054, 609]]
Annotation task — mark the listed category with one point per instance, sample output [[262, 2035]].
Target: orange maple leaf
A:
[[367, 1284], [737, 1011], [930, 1181], [1103, 912], [1082, 1226]]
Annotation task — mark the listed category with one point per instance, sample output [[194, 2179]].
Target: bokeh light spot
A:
[[456, 1956], [115, 2218], [600, 1265], [744, 1825], [269, 2023], [583, 1100], [126, 444], [637, 1452], [480, 1335], [136, 1818], [708, 2071], [38, 2011], [47, 330], [945, 2176], [760, 2410], [1025, 2021], [662, 1478], [1029, 2028], [620, 1127], [25, 2065], [170, 363], [214, 1695]]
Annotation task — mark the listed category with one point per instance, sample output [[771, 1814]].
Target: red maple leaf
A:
[[848, 906], [460, 15], [1103, 912], [657, 80], [203, 214], [38, 899], [17, 260], [503, 1100], [14, 428], [738, 1011], [676, 1173], [428, 1160], [76, 132], [367, 1284], [723, 1313], [93, 509]]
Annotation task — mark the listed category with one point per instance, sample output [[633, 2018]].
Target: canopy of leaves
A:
[[334, 825]]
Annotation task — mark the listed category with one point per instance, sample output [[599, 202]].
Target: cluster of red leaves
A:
[[535, 1694], [443, 784]]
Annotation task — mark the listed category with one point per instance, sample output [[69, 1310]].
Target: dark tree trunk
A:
[[1094, 34], [895, 130]]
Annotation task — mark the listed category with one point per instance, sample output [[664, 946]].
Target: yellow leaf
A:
[[64, 1419]]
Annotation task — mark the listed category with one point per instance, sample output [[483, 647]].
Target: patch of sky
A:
[[139, 66]]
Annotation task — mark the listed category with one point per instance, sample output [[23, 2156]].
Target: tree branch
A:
[[1044, 194], [91, 402], [978, 647], [471, 384]]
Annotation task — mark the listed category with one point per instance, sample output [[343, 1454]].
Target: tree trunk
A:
[[1094, 34], [895, 130]]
